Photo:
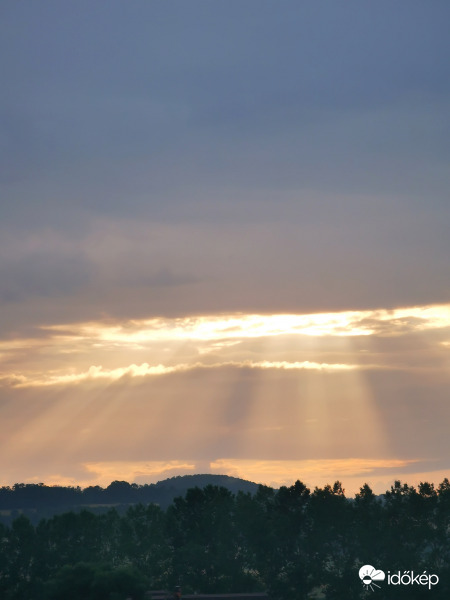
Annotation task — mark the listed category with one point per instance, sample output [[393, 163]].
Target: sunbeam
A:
[[214, 389]]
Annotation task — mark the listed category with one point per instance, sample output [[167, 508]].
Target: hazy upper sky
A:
[[174, 177]]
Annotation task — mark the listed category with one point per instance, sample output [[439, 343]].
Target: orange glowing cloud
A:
[[101, 350]]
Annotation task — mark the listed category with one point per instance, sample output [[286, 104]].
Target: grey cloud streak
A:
[[136, 270]]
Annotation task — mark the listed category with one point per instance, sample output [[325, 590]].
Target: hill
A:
[[179, 485], [38, 501]]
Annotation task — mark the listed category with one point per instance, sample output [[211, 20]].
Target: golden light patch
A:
[[240, 326], [352, 472], [312, 472], [102, 473], [207, 328], [71, 353], [428, 317]]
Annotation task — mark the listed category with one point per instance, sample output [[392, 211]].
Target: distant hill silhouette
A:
[[180, 484], [39, 501]]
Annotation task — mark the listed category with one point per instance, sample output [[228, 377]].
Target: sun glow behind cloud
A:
[[162, 338], [101, 350], [231, 327], [275, 392]]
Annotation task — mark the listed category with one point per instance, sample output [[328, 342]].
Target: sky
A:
[[224, 241]]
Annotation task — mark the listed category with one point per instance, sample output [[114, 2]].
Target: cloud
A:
[[282, 172], [43, 274], [110, 350], [131, 270], [286, 470], [353, 472], [240, 326], [144, 370], [247, 204], [101, 473], [206, 414]]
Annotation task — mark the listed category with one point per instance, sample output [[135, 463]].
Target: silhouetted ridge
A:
[[38, 500]]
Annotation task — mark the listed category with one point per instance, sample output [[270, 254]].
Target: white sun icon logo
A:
[[369, 575]]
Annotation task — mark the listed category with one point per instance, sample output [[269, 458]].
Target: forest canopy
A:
[[290, 543]]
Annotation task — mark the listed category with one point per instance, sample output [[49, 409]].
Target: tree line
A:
[[290, 542], [38, 500]]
